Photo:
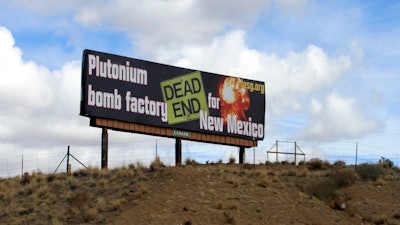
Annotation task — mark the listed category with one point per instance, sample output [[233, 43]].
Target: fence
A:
[[123, 154]]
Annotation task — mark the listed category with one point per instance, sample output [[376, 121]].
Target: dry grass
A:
[[60, 199], [91, 195], [264, 181]]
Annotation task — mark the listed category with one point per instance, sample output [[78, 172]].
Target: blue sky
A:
[[331, 67]]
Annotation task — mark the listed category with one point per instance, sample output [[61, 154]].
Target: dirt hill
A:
[[313, 193]]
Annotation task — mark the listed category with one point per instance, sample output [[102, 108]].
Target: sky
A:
[[330, 67]]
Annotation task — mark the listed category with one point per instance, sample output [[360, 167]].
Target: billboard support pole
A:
[[241, 154], [178, 151], [104, 148]]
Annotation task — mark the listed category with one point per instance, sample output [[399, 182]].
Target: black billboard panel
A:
[[143, 92]]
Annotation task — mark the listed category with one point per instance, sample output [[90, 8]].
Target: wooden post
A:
[[241, 154], [178, 151], [104, 148], [69, 169]]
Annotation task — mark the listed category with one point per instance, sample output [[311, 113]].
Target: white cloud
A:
[[293, 82], [20, 85], [163, 23], [48, 7], [299, 75], [337, 117], [39, 107], [43, 105]]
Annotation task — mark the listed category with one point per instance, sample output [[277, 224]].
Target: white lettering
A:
[[246, 128], [210, 122], [104, 99], [115, 71], [146, 106]]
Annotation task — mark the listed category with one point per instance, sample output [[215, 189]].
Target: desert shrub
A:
[[235, 181], [156, 164], [302, 163], [290, 173], [385, 163], [190, 161], [38, 176], [131, 166], [344, 177], [141, 190], [285, 162], [264, 181], [123, 172], [276, 163], [396, 169], [326, 187], [326, 164], [322, 188], [72, 183], [367, 171], [339, 163], [26, 179], [232, 160], [316, 163], [81, 173], [95, 172], [303, 172], [140, 169], [50, 178]]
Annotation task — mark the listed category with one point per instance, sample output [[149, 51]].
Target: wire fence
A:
[[123, 154]]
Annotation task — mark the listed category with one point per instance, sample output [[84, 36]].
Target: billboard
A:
[[142, 92]]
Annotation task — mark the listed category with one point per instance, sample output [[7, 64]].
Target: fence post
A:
[[68, 161]]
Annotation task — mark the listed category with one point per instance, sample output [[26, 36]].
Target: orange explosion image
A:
[[234, 98]]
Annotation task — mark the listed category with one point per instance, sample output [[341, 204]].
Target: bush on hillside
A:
[[367, 171], [344, 177], [316, 163], [156, 164], [339, 164]]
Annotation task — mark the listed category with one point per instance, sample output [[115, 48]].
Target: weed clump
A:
[[189, 161], [326, 187], [368, 171], [156, 164], [339, 164], [316, 164], [344, 177]]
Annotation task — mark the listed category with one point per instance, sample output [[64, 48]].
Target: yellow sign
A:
[[185, 97]]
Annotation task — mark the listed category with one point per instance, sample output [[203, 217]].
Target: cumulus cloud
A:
[[39, 107], [294, 82], [47, 101], [158, 23], [48, 7], [337, 117]]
